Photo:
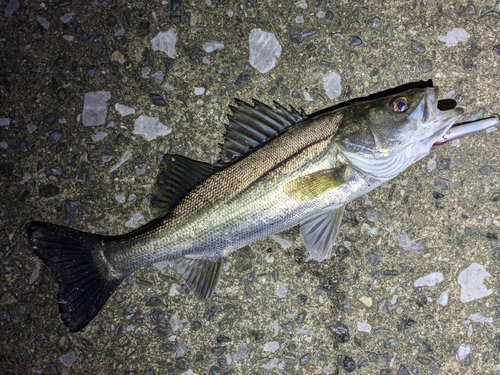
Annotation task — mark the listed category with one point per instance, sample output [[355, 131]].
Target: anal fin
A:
[[320, 231], [201, 275]]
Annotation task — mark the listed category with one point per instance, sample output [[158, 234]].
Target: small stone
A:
[[131, 311], [248, 278], [150, 127], [429, 280], [454, 36], [424, 360], [403, 370], [467, 63], [95, 108], [444, 164], [373, 257], [435, 368], [443, 299], [156, 316], [304, 360], [356, 41], [98, 48], [463, 351], [442, 183], [425, 66], [282, 291], [486, 170], [68, 359], [264, 50], [154, 301], [471, 279], [363, 363], [175, 322], [4, 315], [437, 195], [346, 362], [219, 350], [340, 332], [271, 346], [302, 4], [417, 47], [495, 197], [390, 343], [222, 338], [158, 100], [212, 45], [210, 313], [196, 326], [242, 80], [288, 355], [165, 42], [332, 86], [364, 327], [496, 253], [367, 301], [301, 316]]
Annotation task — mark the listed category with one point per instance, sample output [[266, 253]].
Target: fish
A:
[[278, 168]]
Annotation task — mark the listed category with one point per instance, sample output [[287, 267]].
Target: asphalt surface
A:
[[416, 280]]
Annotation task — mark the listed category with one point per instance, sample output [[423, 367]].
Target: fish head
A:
[[384, 136]]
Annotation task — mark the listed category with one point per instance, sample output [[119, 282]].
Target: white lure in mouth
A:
[[458, 131]]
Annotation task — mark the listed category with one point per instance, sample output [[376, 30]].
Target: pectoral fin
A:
[[201, 275], [316, 184], [319, 233]]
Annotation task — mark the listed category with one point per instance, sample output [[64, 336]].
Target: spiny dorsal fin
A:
[[178, 175], [201, 275], [251, 126]]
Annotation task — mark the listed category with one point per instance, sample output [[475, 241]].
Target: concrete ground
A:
[[416, 280]]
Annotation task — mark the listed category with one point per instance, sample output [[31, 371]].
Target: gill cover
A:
[[387, 135]]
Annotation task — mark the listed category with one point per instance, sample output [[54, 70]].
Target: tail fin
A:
[[76, 259]]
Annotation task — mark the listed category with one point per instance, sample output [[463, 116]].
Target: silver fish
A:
[[277, 169]]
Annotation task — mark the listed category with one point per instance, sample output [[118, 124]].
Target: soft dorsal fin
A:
[[177, 176], [251, 126]]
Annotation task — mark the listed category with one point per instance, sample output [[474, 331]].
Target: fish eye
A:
[[400, 104]]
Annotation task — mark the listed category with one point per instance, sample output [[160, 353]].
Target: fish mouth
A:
[[439, 115]]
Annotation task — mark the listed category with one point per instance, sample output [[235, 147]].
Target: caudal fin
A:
[[76, 259]]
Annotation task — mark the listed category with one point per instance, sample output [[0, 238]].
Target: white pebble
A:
[[133, 222], [471, 279], [463, 351], [332, 86], [264, 49], [165, 42], [479, 318], [363, 327], [282, 291], [443, 299], [429, 280], [124, 110], [271, 346], [150, 127], [199, 90], [68, 359]]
